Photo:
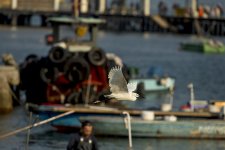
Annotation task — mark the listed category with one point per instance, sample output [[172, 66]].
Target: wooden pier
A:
[[164, 24], [20, 12]]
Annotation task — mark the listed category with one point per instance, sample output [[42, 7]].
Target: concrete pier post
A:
[[14, 4], [102, 6], [84, 6], [56, 5], [146, 5], [194, 8]]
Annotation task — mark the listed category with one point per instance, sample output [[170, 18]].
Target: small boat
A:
[[203, 45], [153, 85], [154, 80], [159, 128]]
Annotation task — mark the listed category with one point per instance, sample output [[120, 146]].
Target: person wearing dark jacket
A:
[[84, 140]]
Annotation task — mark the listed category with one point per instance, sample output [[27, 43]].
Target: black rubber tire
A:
[[58, 54], [76, 69], [96, 57], [48, 70]]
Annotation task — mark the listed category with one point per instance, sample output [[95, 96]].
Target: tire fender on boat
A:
[[76, 69], [58, 54], [96, 57]]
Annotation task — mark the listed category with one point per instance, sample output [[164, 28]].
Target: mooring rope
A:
[[35, 125]]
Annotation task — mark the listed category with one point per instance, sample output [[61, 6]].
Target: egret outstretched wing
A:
[[117, 82], [131, 87]]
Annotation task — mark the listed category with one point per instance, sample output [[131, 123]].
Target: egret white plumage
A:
[[119, 88]]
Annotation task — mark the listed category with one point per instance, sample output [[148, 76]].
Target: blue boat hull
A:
[[151, 85], [213, 129], [71, 121]]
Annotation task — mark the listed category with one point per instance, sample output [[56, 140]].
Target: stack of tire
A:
[[63, 76]]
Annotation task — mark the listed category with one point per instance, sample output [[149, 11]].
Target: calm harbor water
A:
[[137, 49]]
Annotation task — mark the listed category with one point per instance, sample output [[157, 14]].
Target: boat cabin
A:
[[84, 32]]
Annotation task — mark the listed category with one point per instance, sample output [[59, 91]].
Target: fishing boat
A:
[[203, 45], [159, 128], [75, 68], [72, 77]]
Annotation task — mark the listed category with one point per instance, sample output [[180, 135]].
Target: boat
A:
[[159, 128], [203, 45], [74, 67], [154, 80], [72, 77], [155, 85], [47, 111], [213, 106]]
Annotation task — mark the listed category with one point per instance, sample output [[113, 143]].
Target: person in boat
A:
[[84, 140]]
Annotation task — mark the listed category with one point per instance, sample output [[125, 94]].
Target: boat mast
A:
[[192, 95]]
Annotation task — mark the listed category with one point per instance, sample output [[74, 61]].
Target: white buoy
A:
[[148, 115], [170, 118], [166, 107]]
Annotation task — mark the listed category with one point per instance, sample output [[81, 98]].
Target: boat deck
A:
[[116, 111]]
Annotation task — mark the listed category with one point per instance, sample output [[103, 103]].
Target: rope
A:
[[15, 97], [28, 132], [35, 125], [128, 126]]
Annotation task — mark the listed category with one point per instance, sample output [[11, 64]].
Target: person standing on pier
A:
[[85, 140]]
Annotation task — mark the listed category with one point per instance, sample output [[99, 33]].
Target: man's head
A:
[[86, 128]]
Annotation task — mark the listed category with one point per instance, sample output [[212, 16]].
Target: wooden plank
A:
[[161, 22]]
